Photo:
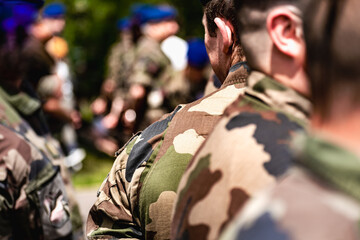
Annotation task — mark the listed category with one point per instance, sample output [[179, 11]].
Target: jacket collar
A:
[[277, 95], [337, 166]]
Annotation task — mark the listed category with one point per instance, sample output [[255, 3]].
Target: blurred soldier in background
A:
[[136, 199], [33, 202], [56, 90], [110, 105], [248, 149], [22, 107], [152, 69], [319, 197]]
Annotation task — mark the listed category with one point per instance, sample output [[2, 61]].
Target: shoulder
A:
[[299, 207], [141, 147]]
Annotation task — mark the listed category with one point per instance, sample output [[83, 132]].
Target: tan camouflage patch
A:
[[160, 213], [2, 137], [245, 172], [188, 142], [16, 164], [211, 104], [3, 172]]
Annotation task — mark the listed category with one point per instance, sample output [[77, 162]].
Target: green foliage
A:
[[96, 167], [91, 30]]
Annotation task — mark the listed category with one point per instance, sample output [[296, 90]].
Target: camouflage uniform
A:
[[120, 62], [153, 70], [247, 151], [9, 116], [33, 202], [136, 199], [319, 198]]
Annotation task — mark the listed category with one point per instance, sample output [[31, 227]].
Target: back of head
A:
[[252, 24], [333, 54], [218, 8]]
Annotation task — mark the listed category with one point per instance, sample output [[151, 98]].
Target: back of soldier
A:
[[33, 202]]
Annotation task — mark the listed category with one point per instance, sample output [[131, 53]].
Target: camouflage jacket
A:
[[152, 68], [120, 63], [247, 151], [33, 202], [10, 117], [136, 199], [319, 198]]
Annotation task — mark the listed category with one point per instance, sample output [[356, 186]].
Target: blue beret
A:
[[197, 55], [123, 24], [156, 13], [34, 3], [54, 10], [16, 14]]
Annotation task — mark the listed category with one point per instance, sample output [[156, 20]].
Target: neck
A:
[[343, 129], [288, 71], [230, 61]]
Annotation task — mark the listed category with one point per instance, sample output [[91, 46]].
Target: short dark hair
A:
[[243, 9], [219, 8], [333, 54]]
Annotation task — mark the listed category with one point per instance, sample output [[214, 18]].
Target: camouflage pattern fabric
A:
[[152, 68], [120, 63], [246, 152], [319, 198], [46, 144], [33, 202], [137, 197]]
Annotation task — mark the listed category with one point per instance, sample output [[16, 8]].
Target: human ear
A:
[[285, 30], [226, 31]]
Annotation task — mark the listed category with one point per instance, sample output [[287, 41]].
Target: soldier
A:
[[33, 202], [152, 69], [248, 149], [14, 103], [136, 199], [110, 105], [319, 197]]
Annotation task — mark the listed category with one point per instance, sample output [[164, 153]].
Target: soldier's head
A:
[[221, 41], [271, 34], [158, 22], [53, 16], [15, 17], [332, 36]]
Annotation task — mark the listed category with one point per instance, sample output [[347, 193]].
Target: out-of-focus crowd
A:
[[150, 72], [251, 133]]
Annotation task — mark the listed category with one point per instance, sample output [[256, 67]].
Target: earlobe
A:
[[226, 31], [284, 29]]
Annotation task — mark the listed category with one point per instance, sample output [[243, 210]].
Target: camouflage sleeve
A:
[[115, 212], [112, 214], [300, 206]]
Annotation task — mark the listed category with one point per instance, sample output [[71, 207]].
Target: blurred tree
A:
[[91, 29]]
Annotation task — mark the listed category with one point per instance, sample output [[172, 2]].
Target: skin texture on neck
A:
[[222, 50]]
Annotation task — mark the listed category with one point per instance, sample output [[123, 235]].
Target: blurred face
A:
[[55, 25], [162, 30]]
